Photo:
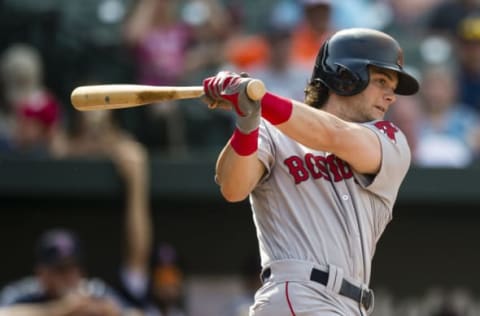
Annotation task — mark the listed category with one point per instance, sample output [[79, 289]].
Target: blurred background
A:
[[144, 176]]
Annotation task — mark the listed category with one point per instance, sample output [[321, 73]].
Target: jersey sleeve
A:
[[266, 147], [396, 158]]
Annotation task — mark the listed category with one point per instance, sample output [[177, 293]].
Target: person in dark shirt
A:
[[60, 286]]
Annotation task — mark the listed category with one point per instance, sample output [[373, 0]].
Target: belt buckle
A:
[[367, 299]]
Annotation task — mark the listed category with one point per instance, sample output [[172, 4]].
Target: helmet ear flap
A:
[[343, 80], [346, 82]]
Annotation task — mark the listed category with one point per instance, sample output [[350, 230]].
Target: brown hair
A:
[[316, 94]]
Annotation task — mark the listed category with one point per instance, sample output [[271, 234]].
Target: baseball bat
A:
[[118, 96]]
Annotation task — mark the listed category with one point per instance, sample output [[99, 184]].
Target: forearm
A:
[[237, 175], [55, 308], [238, 169], [132, 162], [138, 223], [305, 124], [139, 21], [314, 128], [134, 166], [323, 131], [24, 310]]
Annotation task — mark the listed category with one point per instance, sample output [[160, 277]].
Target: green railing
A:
[[193, 179]]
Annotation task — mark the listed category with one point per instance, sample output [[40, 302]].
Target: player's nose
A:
[[390, 96]]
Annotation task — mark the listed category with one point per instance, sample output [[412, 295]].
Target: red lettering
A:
[[344, 168], [316, 166], [331, 159], [296, 169], [388, 128]]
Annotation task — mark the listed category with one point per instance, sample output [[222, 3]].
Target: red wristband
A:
[[276, 109], [244, 144]]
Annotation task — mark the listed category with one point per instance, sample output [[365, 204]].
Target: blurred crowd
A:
[[50, 47], [434, 301], [150, 275], [165, 42]]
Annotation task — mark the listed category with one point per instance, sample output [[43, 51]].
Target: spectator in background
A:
[[306, 32], [36, 129], [173, 44], [60, 286], [459, 23], [168, 282], [94, 134], [279, 73], [155, 289], [468, 51], [159, 40], [346, 13], [34, 111], [309, 35], [243, 50], [448, 133], [444, 17], [165, 295], [210, 25], [404, 21]]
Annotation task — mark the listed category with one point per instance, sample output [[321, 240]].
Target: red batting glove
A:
[[228, 88]]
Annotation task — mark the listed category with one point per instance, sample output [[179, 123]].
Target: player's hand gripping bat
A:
[[118, 96]]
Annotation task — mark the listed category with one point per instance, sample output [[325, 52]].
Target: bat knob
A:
[[256, 89]]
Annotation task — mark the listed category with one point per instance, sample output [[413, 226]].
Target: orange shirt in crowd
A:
[[305, 45]]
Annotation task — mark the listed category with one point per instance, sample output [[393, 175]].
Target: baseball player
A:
[[322, 176]]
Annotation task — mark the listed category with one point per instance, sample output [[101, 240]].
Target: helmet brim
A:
[[407, 84]]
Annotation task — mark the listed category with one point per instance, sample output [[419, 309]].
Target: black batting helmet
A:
[[342, 62]]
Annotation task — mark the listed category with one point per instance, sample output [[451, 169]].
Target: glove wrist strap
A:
[[244, 144], [276, 109]]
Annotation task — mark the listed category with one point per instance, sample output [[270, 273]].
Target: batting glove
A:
[[228, 89]]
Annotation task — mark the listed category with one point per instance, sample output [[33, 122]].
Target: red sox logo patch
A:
[[388, 129]]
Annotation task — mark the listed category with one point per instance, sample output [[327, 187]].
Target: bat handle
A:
[[256, 89]]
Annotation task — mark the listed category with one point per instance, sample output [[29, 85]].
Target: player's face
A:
[[374, 102]]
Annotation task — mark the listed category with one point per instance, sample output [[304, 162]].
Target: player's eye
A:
[[381, 81]]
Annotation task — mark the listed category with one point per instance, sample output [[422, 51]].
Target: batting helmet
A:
[[342, 62]]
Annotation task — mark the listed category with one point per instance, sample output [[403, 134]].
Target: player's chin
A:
[[377, 114]]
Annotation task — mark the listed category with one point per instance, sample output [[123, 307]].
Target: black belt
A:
[[360, 295]]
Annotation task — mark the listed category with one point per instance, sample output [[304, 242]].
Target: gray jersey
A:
[[312, 206]]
